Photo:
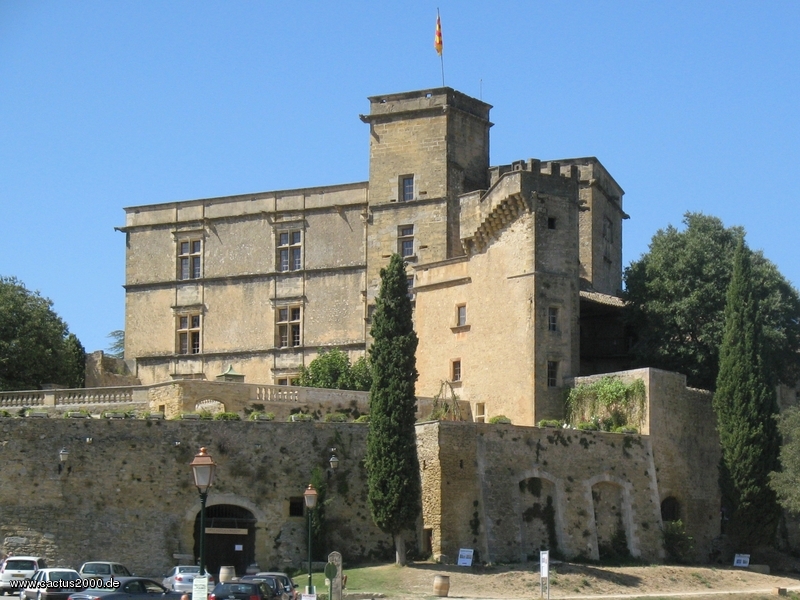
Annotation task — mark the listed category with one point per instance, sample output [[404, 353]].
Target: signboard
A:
[[741, 560], [200, 588], [238, 547], [304, 597], [226, 531], [465, 557], [544, 563]]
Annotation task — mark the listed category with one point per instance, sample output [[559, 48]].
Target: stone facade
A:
[[261, 283]]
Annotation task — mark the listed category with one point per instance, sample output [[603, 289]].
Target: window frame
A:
[[190, 260], [552, 373], [405, 239], [456, 371], [289, 254], [552, 318], [289, 326], [188, 333], [461, 315], [406, 185]]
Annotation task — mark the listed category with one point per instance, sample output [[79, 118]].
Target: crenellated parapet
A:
[[514, 189]]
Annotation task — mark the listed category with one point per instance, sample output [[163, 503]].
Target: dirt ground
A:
[[584, 581]]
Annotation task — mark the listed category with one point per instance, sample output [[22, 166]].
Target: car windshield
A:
[[97, 569], [236, 588], [63, 576], [20, 565]]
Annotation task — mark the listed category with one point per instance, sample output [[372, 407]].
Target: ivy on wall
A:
[[609, 403]]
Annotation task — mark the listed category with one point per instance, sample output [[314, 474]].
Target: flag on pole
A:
[[437, 40]]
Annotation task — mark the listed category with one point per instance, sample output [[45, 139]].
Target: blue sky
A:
[[692, 106]]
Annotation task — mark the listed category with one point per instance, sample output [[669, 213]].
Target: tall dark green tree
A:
[[392, 467], [676, 302], [746, 407], [35, 344]]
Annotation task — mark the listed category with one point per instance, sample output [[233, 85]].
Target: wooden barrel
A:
[[441, 585], [226, 574]]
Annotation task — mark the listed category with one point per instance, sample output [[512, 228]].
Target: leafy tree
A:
[[332, 369], [117, 347], [746, 406], [676, 302], [393, 470], [35, 344]]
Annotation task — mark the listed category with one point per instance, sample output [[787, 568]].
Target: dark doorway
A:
[[670, 509], [230, 538]]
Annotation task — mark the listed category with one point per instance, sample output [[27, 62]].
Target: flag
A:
[[437, 40]]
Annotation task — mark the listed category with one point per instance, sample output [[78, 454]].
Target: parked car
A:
[[44, 587], [127, 588], [19, 568], [288, 584], [181, 578], [103, 569], [242, 590]]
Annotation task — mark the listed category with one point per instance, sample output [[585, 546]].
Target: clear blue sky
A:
[[692, 106]]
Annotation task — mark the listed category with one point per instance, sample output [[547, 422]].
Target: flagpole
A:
[[438, 42]]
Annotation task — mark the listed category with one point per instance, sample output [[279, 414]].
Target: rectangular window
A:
[[296, 506], [190, 259], [461, 315], [288, 327], [405, 240], [455, 370], [608, 230], [406, 188], [410, 286], [552, 373], [552, 318], [480, 412], [290, 251], [551, 222], [188, 334]]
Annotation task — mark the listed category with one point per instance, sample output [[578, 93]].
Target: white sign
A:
[[304, 596], [741, 560], [200, 588], [465, 557], [544, 563], [238, 547]]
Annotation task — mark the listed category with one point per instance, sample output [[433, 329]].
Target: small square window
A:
[[455, 370], [283, 381], [551, 222], [296, 506], [552, 373]]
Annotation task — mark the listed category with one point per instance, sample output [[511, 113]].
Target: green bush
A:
[[625, 430], [550, 423], [499, 419], [301, 417], [206, 415], [677, 543], [362, 419], [587, 426], [261, 416], [335, 417], [227, 416]]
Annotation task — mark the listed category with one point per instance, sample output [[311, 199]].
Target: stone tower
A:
[[426, 148]]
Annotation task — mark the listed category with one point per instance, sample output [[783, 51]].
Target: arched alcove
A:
[[230, 538], [670, 509]]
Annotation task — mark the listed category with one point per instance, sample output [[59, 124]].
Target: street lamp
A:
[[203, 467], [333, 461], [310, 497]]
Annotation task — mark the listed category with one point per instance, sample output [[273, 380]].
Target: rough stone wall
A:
[[107, 371], [504, 486], [128, 495]]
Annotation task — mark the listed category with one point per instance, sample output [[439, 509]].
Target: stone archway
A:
[[209, 405], [670, 509], [538, 519], [612, 537], [230, 538]]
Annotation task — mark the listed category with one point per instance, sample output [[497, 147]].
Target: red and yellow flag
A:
[[437, 40]]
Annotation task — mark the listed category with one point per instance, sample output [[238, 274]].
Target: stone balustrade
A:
[[20, 399], [107, 395]]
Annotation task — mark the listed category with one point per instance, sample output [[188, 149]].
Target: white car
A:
[[181, 578], [19, 568], [43, 586], [103, 569]]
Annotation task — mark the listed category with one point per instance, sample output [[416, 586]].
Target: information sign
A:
[[200, 588], [741, 560], [465, 557]]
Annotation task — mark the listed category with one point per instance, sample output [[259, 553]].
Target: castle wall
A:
[[511, 491], [128, 495]]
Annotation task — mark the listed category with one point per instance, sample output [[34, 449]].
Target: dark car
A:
[[127, 588], [51, 584], [242, 590], [275, 584]]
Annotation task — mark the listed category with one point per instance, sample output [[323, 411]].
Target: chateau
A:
[[514, 270]]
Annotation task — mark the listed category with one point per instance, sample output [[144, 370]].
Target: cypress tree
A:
[[746, 406], [393, 469]]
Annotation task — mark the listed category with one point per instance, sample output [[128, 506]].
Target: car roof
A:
[[51, 569], [15, 557]]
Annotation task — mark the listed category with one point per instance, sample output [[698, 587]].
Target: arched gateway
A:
[[230, 538]]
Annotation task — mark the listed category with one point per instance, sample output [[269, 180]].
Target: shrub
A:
[[261, 416], [549, 423], [678, 545], [625, 430], [301, 417], [499, 419], [335, 417], [206, 415], [227, 416], [609, 401], [587, 426], [362, 419]]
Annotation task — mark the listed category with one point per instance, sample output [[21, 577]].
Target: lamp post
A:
[[203, 468], [310, 497]]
